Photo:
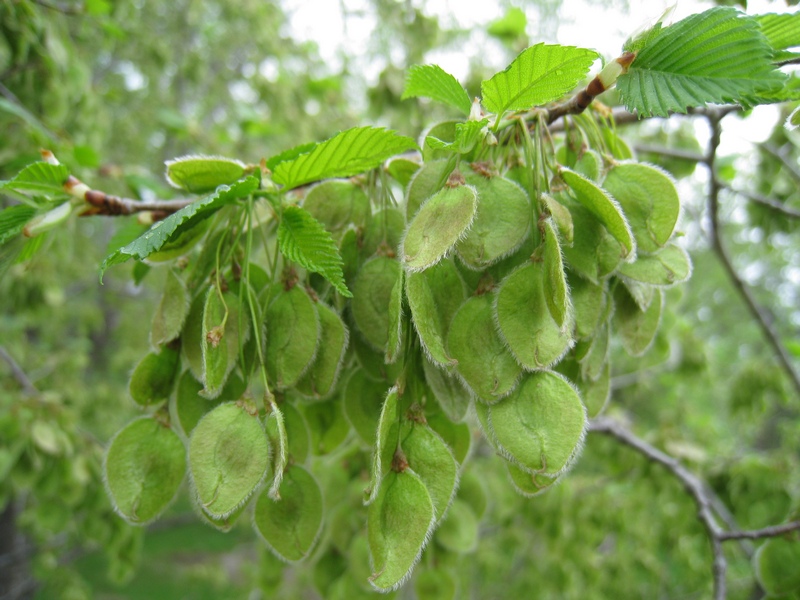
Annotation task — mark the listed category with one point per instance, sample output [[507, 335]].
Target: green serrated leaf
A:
[[540, 74], [179, 222], [347, 153], [781, 30], [13, 220], [715, 56], [510, 26], [39, 178], [431, 81], [304, 240], [290, 154]]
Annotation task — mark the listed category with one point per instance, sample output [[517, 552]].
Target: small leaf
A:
[[602, 206], [439, 224], [555, 284], [293, 336], [321, 377], [201, 174], [501, 224], [13, 220], [541, 425], [347, 153], [290, 526], [649, 200], [540, 74], [363, 399], [431, 459], [178, 222], [398, 525], [431, 81], [39, 178], [636, 328], [143, 469], [524, 321], [467, 135], [154, 377], [304, 240], [716, 56], [387, 419], [666, 267], [228, 458], [372, 295], [449, 392], [338, 204], [171, 312], [484, 363], [434, 296]]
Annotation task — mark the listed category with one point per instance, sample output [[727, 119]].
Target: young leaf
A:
[[304, 240], [228, 458], [398, 525], [540, 74], [171, 311], [431, 81], [293, 336], [39, 178], [541, 425], [154, 377], [347, 153], [716, 56], [555, 283], [13, 220], [467, 135], [143, 469], [290, 526], [602, 206], [181, 221], [781, 30], [437, 226], [201, 174]]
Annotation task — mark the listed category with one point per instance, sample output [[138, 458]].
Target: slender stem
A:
[[691, 483], [772, 203], [761, 316], [757, 534], [18, 373]]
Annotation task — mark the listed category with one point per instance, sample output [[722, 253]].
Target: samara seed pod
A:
[[154, 377], [171, 312], [637, 328], [320, 379], [372, 294], [459, 530], [338, 204], [428, 180], [293, 327]]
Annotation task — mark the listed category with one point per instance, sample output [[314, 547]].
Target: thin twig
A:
[[761, 316], [691, 483], [790, 166], [757, 534], [61, 7], [776, 205], [20, 375]]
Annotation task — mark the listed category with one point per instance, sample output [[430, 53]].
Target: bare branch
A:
[[20, 375], [776, 205], [788, 163], [760, 315], [705, 500], [757, 534]]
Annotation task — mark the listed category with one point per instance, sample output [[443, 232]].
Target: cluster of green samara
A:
[[340, 321]]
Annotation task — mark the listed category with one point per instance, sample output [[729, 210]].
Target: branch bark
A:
[[18, 373], [758, 313], [703, 497]]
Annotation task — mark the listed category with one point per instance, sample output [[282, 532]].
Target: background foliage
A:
[[117, 88]]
